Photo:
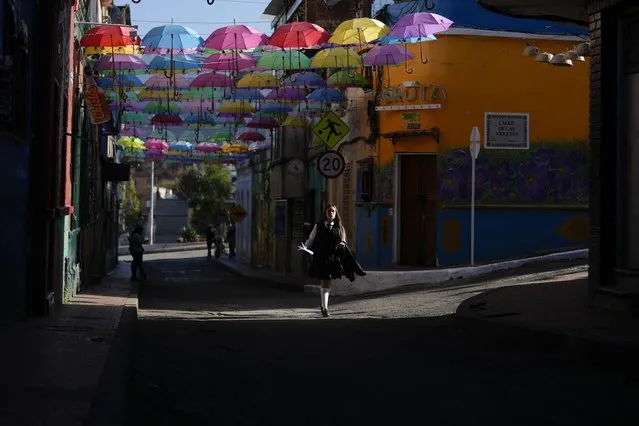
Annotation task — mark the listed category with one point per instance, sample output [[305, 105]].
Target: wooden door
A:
[[418, 210]]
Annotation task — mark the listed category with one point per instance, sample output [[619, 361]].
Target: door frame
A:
[[398, 203]]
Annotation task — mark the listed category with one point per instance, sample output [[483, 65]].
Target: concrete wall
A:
[[244, 198]]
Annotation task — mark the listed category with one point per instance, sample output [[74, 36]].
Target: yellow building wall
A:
[[489, 74]]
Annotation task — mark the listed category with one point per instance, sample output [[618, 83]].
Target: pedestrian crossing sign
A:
[[331, 129]]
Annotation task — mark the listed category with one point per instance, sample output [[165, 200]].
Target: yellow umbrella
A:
[[358, 31], [258, 79], [336, 57], [107, 50], [236, 107], [147, 94], [292, 121], [234, 148], [131, 143]]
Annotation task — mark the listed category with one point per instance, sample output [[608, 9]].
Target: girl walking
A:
[[324, 241]]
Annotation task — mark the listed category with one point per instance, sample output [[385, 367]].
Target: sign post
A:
[[475, 146], [152, 214]]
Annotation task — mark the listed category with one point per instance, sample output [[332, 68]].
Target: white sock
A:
[[325, 293]]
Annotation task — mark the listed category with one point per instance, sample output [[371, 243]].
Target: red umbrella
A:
[[166, 119], [110, 35], [263, 123], [236, 37], [251, 137], [299, 35]]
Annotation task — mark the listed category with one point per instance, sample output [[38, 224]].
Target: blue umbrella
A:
[[176, 37], [397, 40], [181, 62], [306, 79], [129, 80], [194, 119], [246, 94], [181, 146], [275, 108], [326, 95]]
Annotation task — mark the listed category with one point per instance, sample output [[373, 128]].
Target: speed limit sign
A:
[[331, 164]]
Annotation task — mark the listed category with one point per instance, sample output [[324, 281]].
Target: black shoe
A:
[[325, 313]]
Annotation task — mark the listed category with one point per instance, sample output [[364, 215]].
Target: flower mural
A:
[[554, 173]]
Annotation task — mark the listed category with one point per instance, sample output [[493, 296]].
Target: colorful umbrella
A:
[[298, 35], [389, 39], [236, 107], [236, 37], [284, 60], [120, 62], [156, 144], [234, 148], [307, 80], [294, 121], [194, 119], [135, 117], [246, 94], [263, 123], [228, 62], [155, 154], [388, 54], [287, 94], [133, 131], [256, 146], [262, 80], [174, 37], [420, 25], [207, 147], [251, 137], [110, 36], [130, 142], [160, 107], [180, 62], [162, 83], [182, 146], [166, 119], [336, 57], [120, 80], [221, 137], [326, 95], [275, 108], [212, 79], [359, 31], [345, 78]]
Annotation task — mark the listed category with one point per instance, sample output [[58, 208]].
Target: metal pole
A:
[[472, 212], [152, 218]]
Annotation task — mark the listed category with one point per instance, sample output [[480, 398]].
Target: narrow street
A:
[[211, 347]]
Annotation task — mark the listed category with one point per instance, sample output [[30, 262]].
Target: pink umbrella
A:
[[212, 79], [207, 147], [159, 81], [228, 62], [120, 62], [236, 37], [263, 123], [286, 94], [155, 154], [420, 25], [156, 144], [166, 119], [251, 137], [387, 54]]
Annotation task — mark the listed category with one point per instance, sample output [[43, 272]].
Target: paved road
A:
[[213, 348]]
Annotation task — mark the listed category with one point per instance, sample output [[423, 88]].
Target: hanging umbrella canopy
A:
[[306, 80], [179, 62], [286, 94], [345, 78], [102, 36], [251, 137], [245, 94], [202, 93], [388, 54], [135, 117], [294, 121], [131, 142], [166, 119], [236, 107], [126, 105], [120, 80], [262, 80], [275, 108], [156, 144], [336, 57], [159, 81], [155, 154], [263, 123], [284, 60], [359, 31], [159, 107], [181, 146], [176, 37], [120, 62], [212, 79], [202, 120], [228, 62], [298, 35], [221, 137], [236, 37], [420, 25], [164, 134], [326, 95], [389, 39], [207, 147], [234, 148], [133, 131]]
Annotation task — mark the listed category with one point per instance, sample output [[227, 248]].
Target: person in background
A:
[[210, 238], [136, 248], [326, 238], [230, 239]]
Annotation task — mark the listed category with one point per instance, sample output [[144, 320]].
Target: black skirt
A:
[[325, 268]]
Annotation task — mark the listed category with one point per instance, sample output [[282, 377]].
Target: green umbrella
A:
[[346, 78], [137, 117], [155, 107], [221, 137], [284, 60]]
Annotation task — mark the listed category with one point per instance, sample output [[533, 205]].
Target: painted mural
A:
[[550, 173]]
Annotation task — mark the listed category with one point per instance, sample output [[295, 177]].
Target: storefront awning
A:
[[393, 136], [569, 11]]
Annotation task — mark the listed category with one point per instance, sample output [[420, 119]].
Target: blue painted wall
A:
[[507, 234], [374, 250]]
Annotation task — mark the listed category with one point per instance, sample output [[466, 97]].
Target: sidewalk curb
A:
[[109, 406], [272, 282]]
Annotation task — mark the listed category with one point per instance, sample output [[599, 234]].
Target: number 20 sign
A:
[[331, 164]]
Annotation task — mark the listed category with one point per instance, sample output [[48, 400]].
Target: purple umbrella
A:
[[420, 25], [133, 131], [212, 79], [120, 62], [228, 62], [388, 54], [305, 79], [286, 94]]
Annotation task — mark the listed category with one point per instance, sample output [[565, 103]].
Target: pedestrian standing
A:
[[324, 241], [230, 239], [210, 238], [136, 248]]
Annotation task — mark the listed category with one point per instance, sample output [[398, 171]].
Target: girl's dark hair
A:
[[338, 220]]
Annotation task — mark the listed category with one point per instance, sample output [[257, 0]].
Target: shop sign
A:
[[417, 92], [505, 130], [96, 101], [412, 120]]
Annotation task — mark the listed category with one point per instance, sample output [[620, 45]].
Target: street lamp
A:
[[475, 146]]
